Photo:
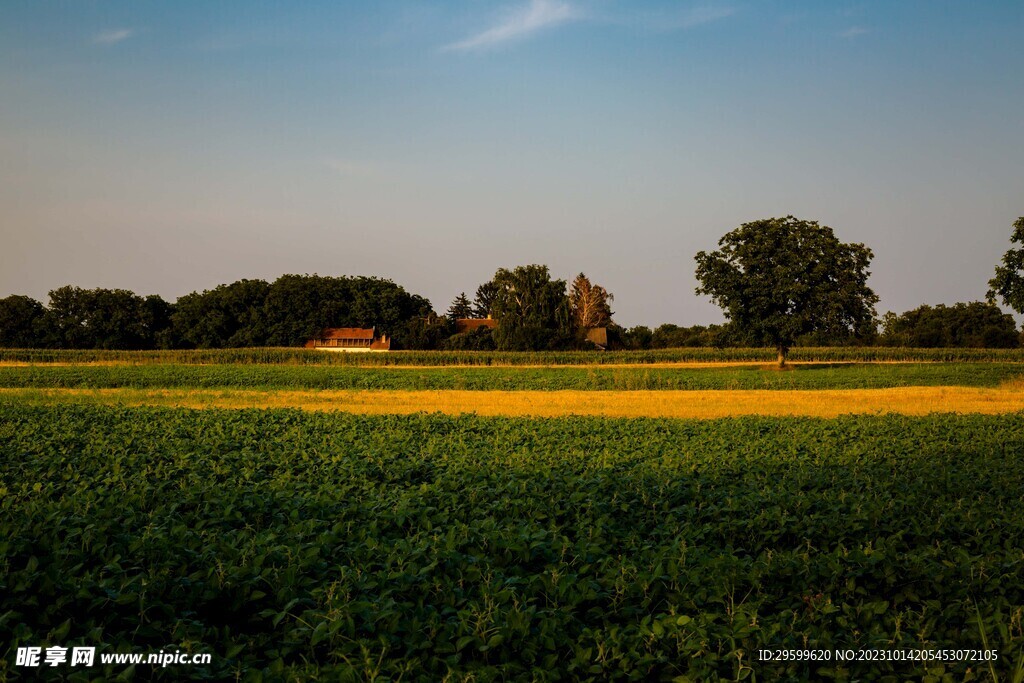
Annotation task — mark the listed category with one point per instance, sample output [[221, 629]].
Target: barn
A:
[[349, 339]]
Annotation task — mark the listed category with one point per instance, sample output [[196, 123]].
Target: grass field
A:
[[295, 356], [579, 526], [595, 378]]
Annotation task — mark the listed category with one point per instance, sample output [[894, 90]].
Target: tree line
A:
[[978, 324], [285, 312], [533, 311], [781, 282]]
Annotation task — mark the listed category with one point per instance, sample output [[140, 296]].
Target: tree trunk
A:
[[783, 350]]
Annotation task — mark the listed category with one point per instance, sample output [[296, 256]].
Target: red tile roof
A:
[[346, 333], [473, 324]]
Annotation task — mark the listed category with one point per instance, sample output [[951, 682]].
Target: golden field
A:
[[677, 404]]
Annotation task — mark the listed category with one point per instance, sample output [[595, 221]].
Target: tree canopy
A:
[[99, 318], [292, 309], [226, 316], [483, 303], [590, 303], [1008, 283], [778, 279], [532, 310], [286, 312], [20, 318], [299, 306], [976, 324]]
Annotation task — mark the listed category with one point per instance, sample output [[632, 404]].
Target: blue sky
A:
[[166, 147]]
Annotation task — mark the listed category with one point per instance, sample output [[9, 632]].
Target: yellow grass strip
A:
[[680, 365], [680, 404], [63, 364], [669, 365]]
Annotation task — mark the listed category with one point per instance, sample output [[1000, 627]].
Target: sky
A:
[[168, 147]]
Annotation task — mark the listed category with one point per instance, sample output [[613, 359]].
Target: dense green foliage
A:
[[298, 546], [20, 320], [823, 376], [292, 309], [483, 301], [225, 316], [246, 313], [426, 333], [813, 296], [77, 318], [1008, 283], [480, 339], [445, 358], [976, 324], [779, 279], [532, 310], [669, 336]]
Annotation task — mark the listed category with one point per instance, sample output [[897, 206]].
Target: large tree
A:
[[532, 310], [1008, 283], [20, 318], [778, 279], [590, 304]]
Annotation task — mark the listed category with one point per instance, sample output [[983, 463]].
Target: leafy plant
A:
[[338, 547], [293, 356]]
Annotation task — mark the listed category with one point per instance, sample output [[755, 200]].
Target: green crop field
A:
[[812, 376], [297, 545], [305, 546], [296, 356]]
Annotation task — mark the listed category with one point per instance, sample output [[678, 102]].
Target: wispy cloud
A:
[[112, 36], [695, 16], [538, 15], [519, 24], [853, 32]]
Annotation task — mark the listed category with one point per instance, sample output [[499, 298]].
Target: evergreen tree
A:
[[483, 305], [460, 308]]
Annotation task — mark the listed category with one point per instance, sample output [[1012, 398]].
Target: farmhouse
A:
[[349, 339], [474, 324]]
